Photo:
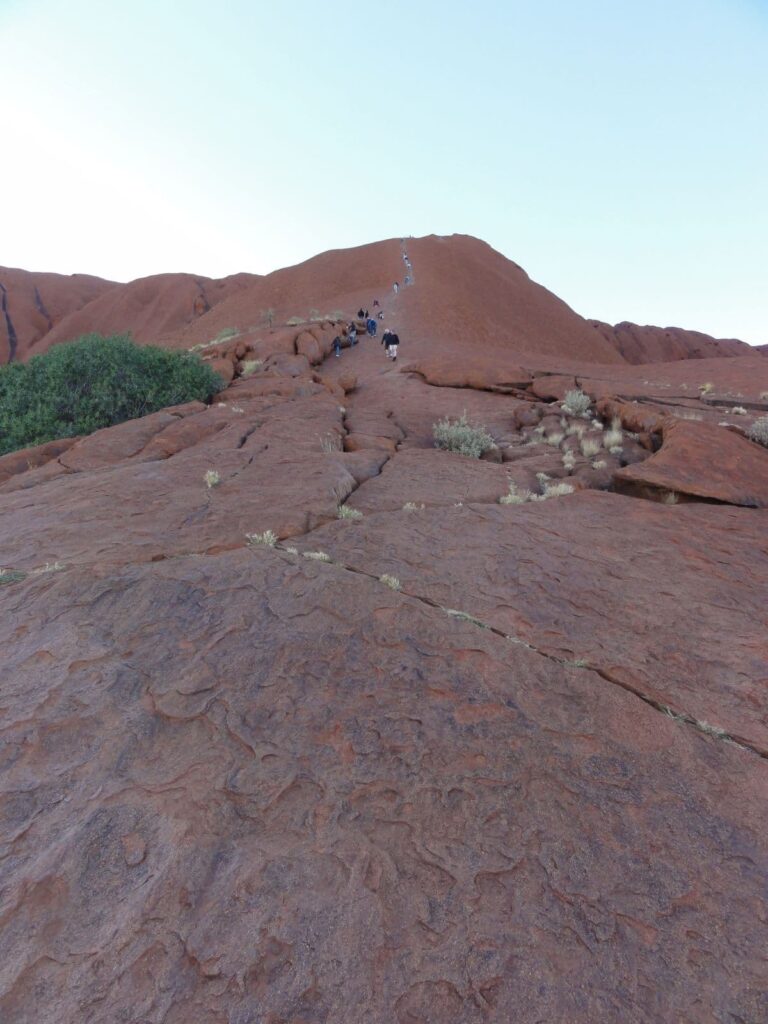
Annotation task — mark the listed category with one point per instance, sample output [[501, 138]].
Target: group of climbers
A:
[[389, 338]]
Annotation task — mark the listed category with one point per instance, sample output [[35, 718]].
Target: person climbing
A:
[[366, 314], [381, 315], [375, 303], [394, 341], [371, 327], [352, 334], [360, 313], [337, 346], [396, 287], [407, 279]]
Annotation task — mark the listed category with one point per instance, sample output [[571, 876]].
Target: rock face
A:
[[663, 344], [467, 295], [32, 305], [301, 724], [704, 461]]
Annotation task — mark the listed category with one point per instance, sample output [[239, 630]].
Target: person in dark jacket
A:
[[371, 327], [337, 346], [392, 344], [352, 334], [360, 313]]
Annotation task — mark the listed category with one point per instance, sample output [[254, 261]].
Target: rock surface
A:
[[660, 344], [706, 462], [440, 761]]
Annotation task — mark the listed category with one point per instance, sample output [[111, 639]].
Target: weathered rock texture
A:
[[453, 762]]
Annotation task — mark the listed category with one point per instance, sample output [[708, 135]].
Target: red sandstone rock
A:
[[662, 344], [243, 784], [704, 461], [30, 458], [225, 368]]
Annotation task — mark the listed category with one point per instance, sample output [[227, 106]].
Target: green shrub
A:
[[460, 436], [91, 383]]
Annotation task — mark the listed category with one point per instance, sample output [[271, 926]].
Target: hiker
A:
[[337, 346], [405, 258], [396, 287], [385, 339], [407, 279], [360, 313], [381, 315], [352, 334], [371, 327], [392, 344], [375, 303], [366, 314]]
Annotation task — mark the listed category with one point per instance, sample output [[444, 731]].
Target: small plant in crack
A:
[[212, 479], [317, 556], [390, 581], [576, 402], [250, 366], [329, 444], [515, 496], [670, 498], [411, 506], [590, 447], [48, 567], [465, 617], [8, 576], [267, 539], [758, 432], [613, 438], [347, 512], [579, 429]]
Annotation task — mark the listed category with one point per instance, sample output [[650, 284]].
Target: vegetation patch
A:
[[576, 402], [92, 383], [347, 512], [8, 576], [759, 431], [460, 436], [267, 539]]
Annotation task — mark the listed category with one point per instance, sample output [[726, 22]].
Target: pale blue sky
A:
[[618, 151]]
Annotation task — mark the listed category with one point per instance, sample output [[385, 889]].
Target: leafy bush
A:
[[759, 431], [460, 436], [576, 402], [91, 383]]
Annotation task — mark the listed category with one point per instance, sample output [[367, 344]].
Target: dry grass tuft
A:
[[268, 539], [759, 431], [589, 447], [576, 403], [347, 512]]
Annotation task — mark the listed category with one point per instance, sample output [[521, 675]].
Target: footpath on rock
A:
[[305, 720]]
